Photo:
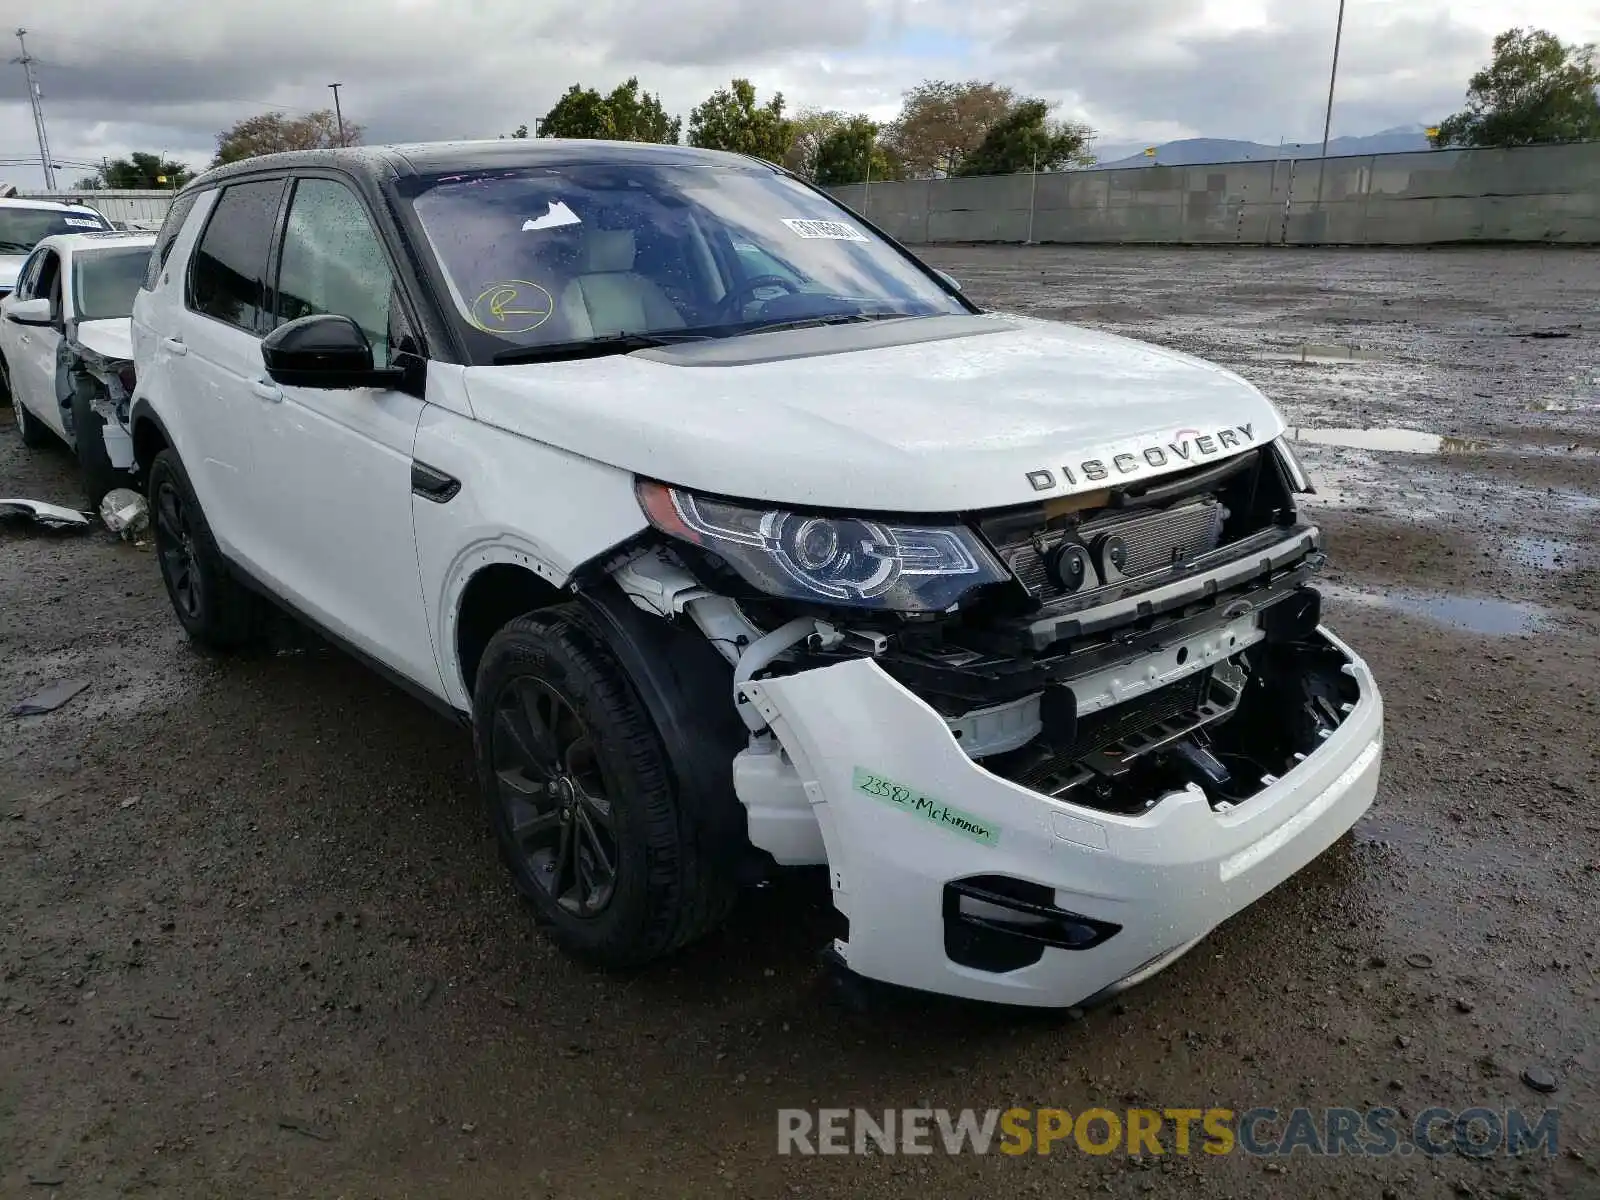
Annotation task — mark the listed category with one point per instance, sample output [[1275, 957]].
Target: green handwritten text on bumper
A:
[[936, 812]]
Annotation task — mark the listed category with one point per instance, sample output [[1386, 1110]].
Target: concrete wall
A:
[[119, 207], [1533, 194]]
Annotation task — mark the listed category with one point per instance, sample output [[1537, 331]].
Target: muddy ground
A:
[[254, 942]]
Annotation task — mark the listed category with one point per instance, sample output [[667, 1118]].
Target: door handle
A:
[[175, 345], [26, 339], [265, 390]]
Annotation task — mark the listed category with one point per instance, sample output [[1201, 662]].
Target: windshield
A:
[[574, 253], [104, 282], [21, 229]]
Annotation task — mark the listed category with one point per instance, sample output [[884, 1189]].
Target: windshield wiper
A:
[[825, 319], [599, 347]]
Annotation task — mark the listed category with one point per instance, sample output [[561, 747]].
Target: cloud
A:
[[166, 75]]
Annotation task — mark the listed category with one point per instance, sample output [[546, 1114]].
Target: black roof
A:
[[431, 158]]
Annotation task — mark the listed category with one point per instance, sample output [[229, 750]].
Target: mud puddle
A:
[[1482, 615], [1401, 441]]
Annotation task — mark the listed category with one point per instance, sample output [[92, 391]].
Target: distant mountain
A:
[[1194, 151]]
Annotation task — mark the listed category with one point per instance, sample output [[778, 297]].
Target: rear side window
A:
[[227, 278], [170, 229]]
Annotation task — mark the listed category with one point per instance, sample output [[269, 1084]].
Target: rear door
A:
[[12, 334], [218, 379]]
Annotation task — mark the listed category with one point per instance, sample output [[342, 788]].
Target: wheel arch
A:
[[150, 437], [494, 594]]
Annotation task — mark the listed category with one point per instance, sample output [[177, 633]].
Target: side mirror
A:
[[30, 312], [323, 351]]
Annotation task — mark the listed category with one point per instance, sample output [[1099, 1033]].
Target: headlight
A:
[[855, 561]]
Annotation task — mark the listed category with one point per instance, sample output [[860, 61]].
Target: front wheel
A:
[[88, 427], [581, 797]]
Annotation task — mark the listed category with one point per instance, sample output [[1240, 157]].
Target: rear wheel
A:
[[581, 797], [34, 432], [215, 610]]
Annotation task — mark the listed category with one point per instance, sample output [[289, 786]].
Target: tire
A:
[[88, 428], [596, 780], [214, 608]]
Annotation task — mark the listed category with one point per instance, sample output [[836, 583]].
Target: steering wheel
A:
[[736, 299]]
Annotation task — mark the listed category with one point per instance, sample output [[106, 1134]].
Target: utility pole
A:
[[45, 163], [1327, 122], [337, 111], [866, 188], [1033, 192]]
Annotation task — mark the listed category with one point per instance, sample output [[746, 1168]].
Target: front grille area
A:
[[1153, 541]]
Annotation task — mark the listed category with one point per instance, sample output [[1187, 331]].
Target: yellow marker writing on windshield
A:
[[512, 306]]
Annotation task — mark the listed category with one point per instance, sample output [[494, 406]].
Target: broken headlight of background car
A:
[[856, 562]]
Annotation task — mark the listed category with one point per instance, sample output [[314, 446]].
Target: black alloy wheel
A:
[[175, 546], [556, 809]]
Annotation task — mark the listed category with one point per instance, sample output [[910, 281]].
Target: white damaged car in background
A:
[[741, 538], [66, 351]]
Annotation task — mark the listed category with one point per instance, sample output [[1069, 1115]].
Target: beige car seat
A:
[[608, 296]]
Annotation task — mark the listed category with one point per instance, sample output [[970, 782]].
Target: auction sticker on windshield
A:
[[936, 812], [833, 231]]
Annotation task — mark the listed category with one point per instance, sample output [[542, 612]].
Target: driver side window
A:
[[334, 262], [47, 281], [28, 277]]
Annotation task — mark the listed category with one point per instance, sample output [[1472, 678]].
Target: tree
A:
[[142, 171], [843, 156], [1535, 90], [521, 131], [580, 113], [626, 114], [730, 120], [639, 117], [1026, 139], [812, 127], [272, 132], [942, 122]]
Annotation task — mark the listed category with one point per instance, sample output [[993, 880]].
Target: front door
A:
[[332, 472], [35, 348]]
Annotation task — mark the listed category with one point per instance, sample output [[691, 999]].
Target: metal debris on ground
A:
[[50, 699], [125, 513], [305, 1128], [53, 516], [1540, 1079]]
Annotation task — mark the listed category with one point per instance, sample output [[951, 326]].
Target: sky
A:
[[167, 75]]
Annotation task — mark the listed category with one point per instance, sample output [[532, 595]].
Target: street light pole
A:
[[45, 162], [1327, 121], [337, 111]]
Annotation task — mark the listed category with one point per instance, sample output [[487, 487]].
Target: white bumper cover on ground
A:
[[902, 811]]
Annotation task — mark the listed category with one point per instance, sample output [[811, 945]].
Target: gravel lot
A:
[[254, 940]]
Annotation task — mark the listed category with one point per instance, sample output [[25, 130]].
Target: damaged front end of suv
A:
[[1041, 749], [95, 384]]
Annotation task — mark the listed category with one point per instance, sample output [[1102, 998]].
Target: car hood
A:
[[980, 412], [110, 338], [10, 266]]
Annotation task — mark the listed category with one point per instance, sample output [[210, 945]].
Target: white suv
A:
[[741, 538]]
